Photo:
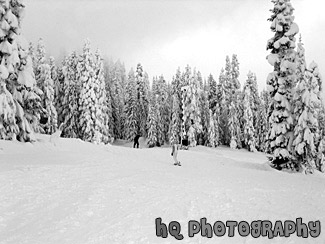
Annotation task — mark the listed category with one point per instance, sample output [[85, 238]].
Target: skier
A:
[[56, 135], [136, 141], [174, 153]]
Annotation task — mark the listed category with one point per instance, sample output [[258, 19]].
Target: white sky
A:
[[164, 35]]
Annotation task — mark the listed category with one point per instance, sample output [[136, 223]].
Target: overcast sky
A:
[[164, 35]]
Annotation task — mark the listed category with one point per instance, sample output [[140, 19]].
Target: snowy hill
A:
[[69, 191]]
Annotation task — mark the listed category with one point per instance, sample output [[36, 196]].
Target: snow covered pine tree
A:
[[306, 131], [20, 104], [281, 81]]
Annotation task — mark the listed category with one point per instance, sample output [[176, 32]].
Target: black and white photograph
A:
[[162, 121]]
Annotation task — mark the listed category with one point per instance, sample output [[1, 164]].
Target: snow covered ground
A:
[[69, 191]]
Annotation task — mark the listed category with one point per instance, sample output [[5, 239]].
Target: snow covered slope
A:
[[69, 191]]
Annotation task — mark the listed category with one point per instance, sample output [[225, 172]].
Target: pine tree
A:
[[253, 100], [170, 106], [103, 108], [228, 85], [266, 98], [231, 112], [191, 114], [70, 104], [175, 123], [261, 129], [233, 124], [306, 131], [20, 105], [213, 131], [60, 92], [235, 73], [217, 125], [249, 130], [153, 122], [175, 94], [240, 113], [160, 91], [31, 52], [115, 79], [175, 127], [223, 108], [51, 125], [54, 77], [154, 87], [320, 165], [229, 96], [131, 108], [204, 111], [301, 63], [177, 84], [142, 85], [212, 93], [88, 101], [186, 76], [39, 60], [109, 95], [40, 71], [281, 81]]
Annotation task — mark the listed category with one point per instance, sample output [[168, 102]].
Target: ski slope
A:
[[69, 191]]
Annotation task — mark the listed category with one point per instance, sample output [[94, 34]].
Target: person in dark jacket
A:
[[136, 141]]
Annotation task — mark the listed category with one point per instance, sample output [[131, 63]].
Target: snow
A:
[[294, 29], [26, 76], [77, 192], [273, 58]]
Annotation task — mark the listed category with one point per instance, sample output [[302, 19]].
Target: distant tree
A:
[[301, 63], [71, 86], [153, 122], [212, 93], [131, 107], [51, 114], [60, 92], [88, 100], [261, 124], [234, 127], [175, 123], [249, 130], [115, 79], [213, 132], [142, 88], [223, 107], [191, 113], [103, 109], [175, 127], [254, 99], [39, 60], [204, 111], [232, 94], [161, 94], [235, 73]]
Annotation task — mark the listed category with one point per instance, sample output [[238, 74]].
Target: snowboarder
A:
[[174, 153], [136, 141], [184, 145]]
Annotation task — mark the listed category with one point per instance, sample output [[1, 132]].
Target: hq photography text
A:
[[257, 229]]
